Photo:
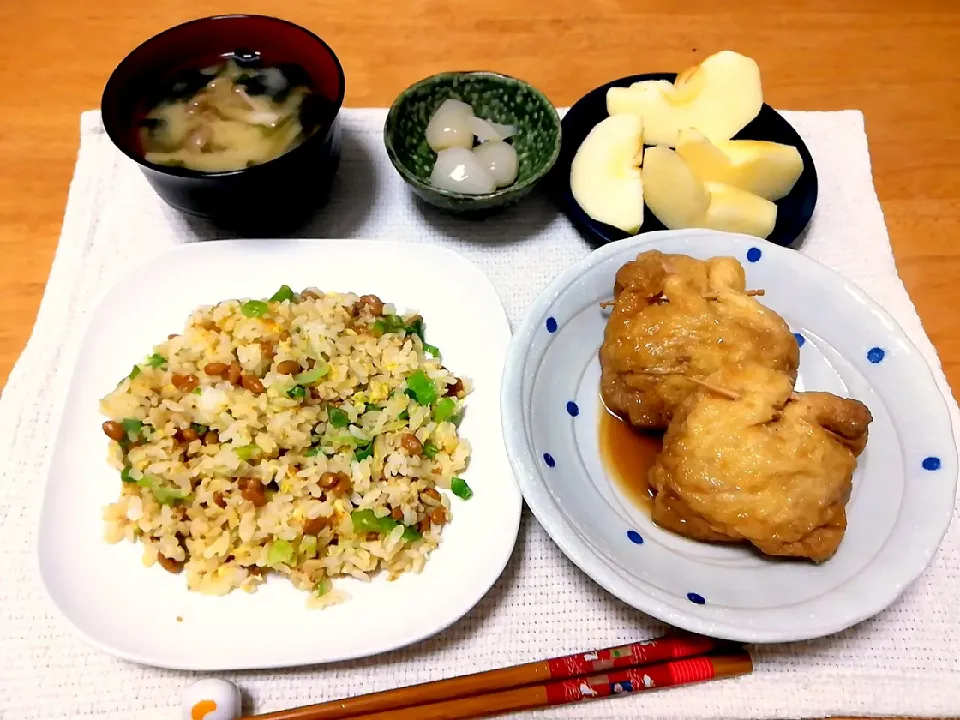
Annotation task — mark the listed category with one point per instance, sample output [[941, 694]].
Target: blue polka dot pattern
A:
[[875, 355], [548, 459], [697, 599], [573, 409], [931, 463], [551, 325], [634, 537], [753, 254], [800, 339]]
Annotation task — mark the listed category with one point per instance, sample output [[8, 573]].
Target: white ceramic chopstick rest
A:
[[211, 699]]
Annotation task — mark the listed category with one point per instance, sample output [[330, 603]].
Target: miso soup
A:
[[228, 116]]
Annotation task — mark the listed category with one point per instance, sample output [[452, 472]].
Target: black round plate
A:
[[793, 211]]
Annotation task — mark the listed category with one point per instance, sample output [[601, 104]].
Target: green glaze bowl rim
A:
[[411, 178]]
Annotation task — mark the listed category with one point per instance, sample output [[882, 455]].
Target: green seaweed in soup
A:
[[226, 117]]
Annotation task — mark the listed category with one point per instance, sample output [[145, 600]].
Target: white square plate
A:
[[148, 615]]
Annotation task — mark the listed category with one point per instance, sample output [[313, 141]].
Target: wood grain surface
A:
[[894, 60]]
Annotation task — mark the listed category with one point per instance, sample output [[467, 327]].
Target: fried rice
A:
[[311, 435]]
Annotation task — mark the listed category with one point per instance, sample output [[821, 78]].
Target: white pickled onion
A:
[[500, 160], [489, 131], [459, 170], [450, 126]]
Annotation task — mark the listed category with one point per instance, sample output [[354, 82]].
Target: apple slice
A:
[[735, 210], [605, 174], [680, 199], [718, 97], [673, 193], [767, 169]]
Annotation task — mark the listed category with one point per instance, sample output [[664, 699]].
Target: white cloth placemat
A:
[[906, 661]]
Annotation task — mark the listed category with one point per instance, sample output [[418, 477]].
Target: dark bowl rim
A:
[[536, 177], [185, 172]]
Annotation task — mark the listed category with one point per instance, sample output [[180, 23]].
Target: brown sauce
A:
[[627, 455]]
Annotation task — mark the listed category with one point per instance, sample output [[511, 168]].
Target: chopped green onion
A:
[[461, 489], [394, 322], [388, 324], [315, 450], [323, 587], [248, 452], [136, 371], [311, 376], [125, 474], [367, 521], [163, 495], [284, 293], [169, 496], [308, 546], [132, 427], [444, 410], [416, 328], [345, 439], [196, 391], [364, 452], [297, 392], [156, 360], [254, 308], [280, 553], [432, 349], [337, 417], [430, 450], [411, 534], [423, 388]]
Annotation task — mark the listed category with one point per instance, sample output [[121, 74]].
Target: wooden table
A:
[[894, 60]]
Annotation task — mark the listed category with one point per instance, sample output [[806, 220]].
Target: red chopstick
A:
[[573, 690], [681, 645]]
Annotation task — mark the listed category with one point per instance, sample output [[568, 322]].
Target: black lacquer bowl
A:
[[261, 198]]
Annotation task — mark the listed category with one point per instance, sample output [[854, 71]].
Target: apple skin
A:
[[605, 175], [767, 169], [719, 97]]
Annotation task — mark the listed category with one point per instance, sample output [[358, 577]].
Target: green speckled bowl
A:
[[495, 97]]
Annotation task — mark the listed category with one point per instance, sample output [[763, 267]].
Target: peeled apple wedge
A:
[[673, 193], [718, 97], [680, 199], [767, 169], [735, 210], [605, 174]]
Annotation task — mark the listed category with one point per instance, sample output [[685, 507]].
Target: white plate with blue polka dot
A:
[[903, 489]]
